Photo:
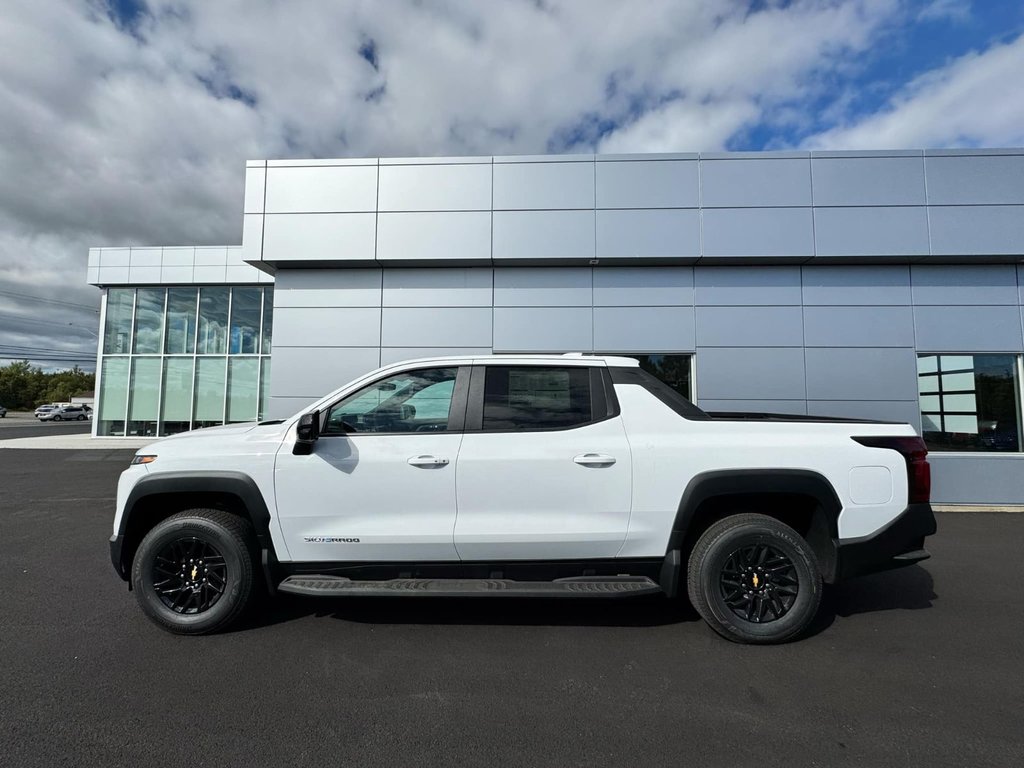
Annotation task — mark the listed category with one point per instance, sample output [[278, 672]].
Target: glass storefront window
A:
[[674, 370], [149, 321], [117, 332], [113, 399], [180, 336], [183, 357], [144, 393], [970, 402], [213, 320], [176, 395], [245, 321], [243, 374]]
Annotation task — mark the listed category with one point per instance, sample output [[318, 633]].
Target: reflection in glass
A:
[[113, 399], [176, 402], [211, 375], [413, 401], [264, 387], [149, 321], [242, 388], [117, 333], [969, 402], [145, 393], [245, 321], [536, 398], [213, 320], [674, 370], [268, 318], [180, 335]]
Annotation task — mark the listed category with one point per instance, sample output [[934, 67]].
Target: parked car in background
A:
[[44, 409], [65, 413], [3, 411]]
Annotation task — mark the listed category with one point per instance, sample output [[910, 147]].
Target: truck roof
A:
[[570, 358]]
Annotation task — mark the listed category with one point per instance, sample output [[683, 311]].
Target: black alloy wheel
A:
[[754, 579], [189, 575], [194, 573]]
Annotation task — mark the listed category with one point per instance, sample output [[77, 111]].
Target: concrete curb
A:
[[77, 442]]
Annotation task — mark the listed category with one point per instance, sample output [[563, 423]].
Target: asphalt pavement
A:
[[923, 666]]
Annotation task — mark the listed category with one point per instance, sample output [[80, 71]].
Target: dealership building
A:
[[884, 285]]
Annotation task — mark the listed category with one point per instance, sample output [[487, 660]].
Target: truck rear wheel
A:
[[194, 572], [754, 580]]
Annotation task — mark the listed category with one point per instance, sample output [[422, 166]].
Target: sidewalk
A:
[[81, 441]]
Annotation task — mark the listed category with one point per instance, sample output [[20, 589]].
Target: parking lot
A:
[[916, 667], [20, 424]]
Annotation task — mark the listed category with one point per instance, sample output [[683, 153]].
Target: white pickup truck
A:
[[549, 476]]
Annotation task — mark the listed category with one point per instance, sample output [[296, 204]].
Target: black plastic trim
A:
[[881, 551], [658, 388], [199, 482]]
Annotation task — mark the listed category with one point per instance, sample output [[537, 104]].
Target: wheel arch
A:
[[156, 497], [803, 499]]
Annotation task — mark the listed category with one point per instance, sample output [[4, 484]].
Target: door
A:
[[379, 485], [544, 469]]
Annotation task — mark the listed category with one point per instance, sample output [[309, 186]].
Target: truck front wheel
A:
[[754, 579], [193, 572]]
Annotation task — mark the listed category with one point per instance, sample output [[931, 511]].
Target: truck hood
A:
[[249, 430]]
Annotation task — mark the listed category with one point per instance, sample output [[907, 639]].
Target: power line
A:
[[16, 295], [23, 319]]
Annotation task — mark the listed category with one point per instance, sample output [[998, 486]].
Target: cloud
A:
[[972, 101], [942, 10], [128, 122]]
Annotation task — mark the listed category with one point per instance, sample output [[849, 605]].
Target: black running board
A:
[[585, 586]]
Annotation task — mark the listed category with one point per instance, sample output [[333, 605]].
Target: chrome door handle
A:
[[427, 461], [594, 460]]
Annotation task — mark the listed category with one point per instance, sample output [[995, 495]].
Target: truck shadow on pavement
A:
[[910, 588]]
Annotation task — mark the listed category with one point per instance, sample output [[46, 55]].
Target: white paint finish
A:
[[326, 327], [543, 329], [94, 257], [540, 186], [443, 326], [738, 373], [853, 284], [211, 256], [434, 236], [754, 232], [648, 184], [868, 180], [143, 275], [858, 326], [870, 485], [736, 183], [321, 189], [749, 327], [241, 274], [648, 234], [643, 286], [440, 287], [311, 372], [968, 329], [363, 487], [255, 186], [543, 286], [235, 255], [322, 162], [981, 284], [144, 257], [871, 231], [435, 187], [209, 274], [540, 235], [522, 497], [180, 275], [328, 288], [389, 355], [92, 275], [252, 237], [644, 329], [747, 286], [319, 237]]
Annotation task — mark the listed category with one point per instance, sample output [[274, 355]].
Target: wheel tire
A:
[[81, 418], [734, 544], [230, 537], [57, 418]]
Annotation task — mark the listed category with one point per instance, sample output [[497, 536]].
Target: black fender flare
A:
[[165, 484], [708, 485]]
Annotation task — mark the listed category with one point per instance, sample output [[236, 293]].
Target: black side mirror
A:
[[307, 432]]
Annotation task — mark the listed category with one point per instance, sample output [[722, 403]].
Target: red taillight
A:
[[914, 452]]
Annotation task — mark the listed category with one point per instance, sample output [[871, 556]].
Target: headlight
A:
[[143, 460]]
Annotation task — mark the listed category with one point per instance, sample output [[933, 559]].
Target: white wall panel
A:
[[410, 237], [643, 329], [313, 372], [441, 287], [543, 286], [321, 190], [543, 329], [549, 185], [435, 187], [648, 184], [643, 286], [648, 234], [326, 327], [436, 327], [335, 237], [543, 235]]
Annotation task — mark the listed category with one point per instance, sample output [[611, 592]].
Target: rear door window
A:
[[536, 397]]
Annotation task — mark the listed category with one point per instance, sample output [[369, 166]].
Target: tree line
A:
[[24, 386]]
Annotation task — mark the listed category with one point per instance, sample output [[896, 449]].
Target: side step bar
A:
[[584, 586]]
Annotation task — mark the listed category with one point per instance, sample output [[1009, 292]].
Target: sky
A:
[[128, 122]]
